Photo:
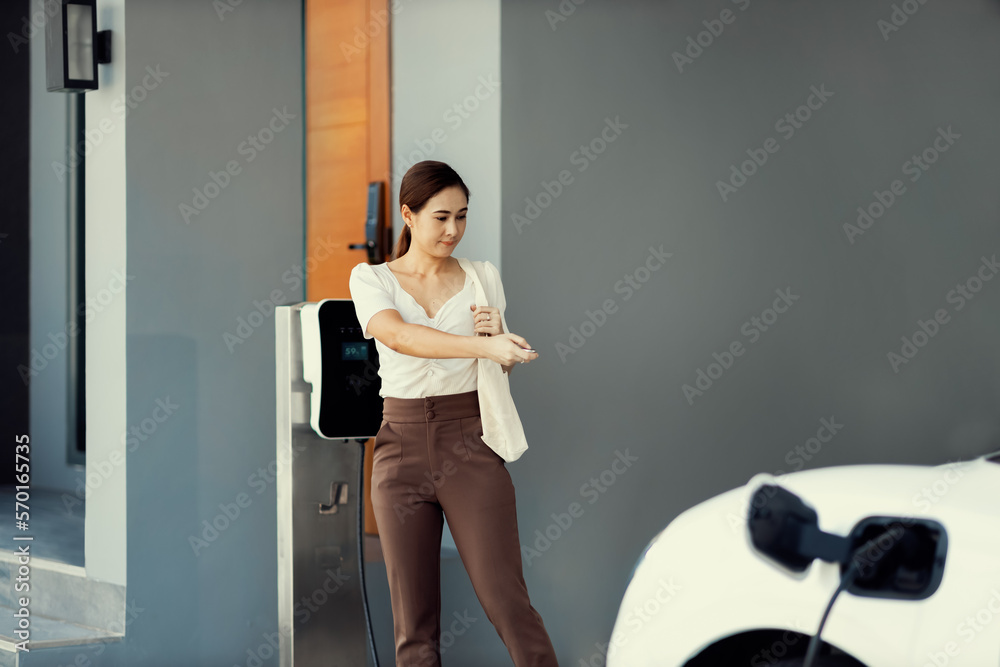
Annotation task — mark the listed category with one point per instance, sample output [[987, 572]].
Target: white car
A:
[[745, 578]]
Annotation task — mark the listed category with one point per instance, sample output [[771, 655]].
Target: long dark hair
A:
[[421, 182]]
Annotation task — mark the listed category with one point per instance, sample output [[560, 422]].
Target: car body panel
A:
[[721, 586]]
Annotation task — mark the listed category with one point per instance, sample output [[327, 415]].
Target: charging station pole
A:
[[322, 604]]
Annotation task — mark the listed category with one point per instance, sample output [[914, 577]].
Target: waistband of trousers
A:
[[431, 408]]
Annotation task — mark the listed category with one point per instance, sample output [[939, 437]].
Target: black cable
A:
[[361, 552], [814, 643], [846, 580]]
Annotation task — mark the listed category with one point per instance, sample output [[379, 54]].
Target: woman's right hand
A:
[[507, 349]]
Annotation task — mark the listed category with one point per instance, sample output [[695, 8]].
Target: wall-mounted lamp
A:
[[74, 47]]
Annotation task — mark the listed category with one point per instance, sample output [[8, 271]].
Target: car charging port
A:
[[904, 557]]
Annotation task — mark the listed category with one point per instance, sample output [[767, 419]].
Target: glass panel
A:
[[80, 42]]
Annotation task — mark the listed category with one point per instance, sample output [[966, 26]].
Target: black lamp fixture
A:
[[74, 47]]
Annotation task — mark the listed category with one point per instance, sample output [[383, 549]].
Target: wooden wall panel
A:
[[348, 139]]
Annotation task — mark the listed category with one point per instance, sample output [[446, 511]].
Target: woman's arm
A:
[[506, 369], [417, 340]]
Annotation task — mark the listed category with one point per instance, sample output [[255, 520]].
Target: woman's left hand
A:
[[487, 320]]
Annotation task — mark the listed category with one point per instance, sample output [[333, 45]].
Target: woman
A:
[[429, 453]]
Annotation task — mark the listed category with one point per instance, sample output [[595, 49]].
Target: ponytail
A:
[[403, 243]]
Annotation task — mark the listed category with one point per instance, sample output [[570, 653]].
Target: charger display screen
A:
[[354, 351]]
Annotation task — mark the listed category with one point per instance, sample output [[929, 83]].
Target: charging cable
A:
[[846, 580]]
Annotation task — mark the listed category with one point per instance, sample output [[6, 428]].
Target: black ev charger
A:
[[906, 556]]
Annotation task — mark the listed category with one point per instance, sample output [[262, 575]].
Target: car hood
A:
[[844, 494]]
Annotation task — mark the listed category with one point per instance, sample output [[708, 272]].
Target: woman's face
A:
[[442, 220]]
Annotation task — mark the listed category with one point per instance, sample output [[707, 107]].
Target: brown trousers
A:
[[430, 457]]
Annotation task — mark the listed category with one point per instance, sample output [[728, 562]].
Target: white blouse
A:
[[374, 287]]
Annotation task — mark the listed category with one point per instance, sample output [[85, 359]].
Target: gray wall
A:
[[656, 185], [189, 285], [193, 282]]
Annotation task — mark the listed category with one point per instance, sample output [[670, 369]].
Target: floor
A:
[[55, 520]]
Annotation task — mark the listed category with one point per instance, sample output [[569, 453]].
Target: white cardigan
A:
[[502, 429]]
